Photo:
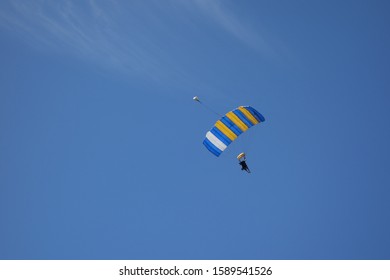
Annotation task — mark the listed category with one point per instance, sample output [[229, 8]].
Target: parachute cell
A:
[[229, 127]]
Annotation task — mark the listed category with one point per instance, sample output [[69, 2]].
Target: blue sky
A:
[[101, 153]]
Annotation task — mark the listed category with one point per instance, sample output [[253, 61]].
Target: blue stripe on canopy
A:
[[211, 147], [243, 118], [231, 125], [220, 136], [255, 113]]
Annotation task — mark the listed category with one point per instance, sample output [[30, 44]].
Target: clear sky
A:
[[101, 153]]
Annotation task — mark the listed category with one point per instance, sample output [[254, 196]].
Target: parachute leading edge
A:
[[229, 127]]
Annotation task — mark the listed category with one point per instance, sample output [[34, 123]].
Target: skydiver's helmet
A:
[[241, 157]]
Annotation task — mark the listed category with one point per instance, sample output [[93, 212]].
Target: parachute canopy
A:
[[229, 127]]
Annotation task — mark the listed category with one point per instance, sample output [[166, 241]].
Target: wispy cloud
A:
[[133, 36], [91, 30], [236, 26]]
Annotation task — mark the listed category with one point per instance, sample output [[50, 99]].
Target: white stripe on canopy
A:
[[215, 141]]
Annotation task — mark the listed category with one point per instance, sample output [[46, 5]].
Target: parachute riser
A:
[[196, 98]]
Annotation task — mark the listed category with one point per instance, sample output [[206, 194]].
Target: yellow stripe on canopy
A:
[[237, 121], [248, 115], [225, 130]]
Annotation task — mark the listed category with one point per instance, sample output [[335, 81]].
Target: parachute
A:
[[229, 127]]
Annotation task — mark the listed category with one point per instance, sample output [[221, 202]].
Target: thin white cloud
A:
[[91, 30], [236, 26], [132, 36]]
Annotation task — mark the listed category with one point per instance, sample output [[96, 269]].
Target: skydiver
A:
[[244, 166]]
